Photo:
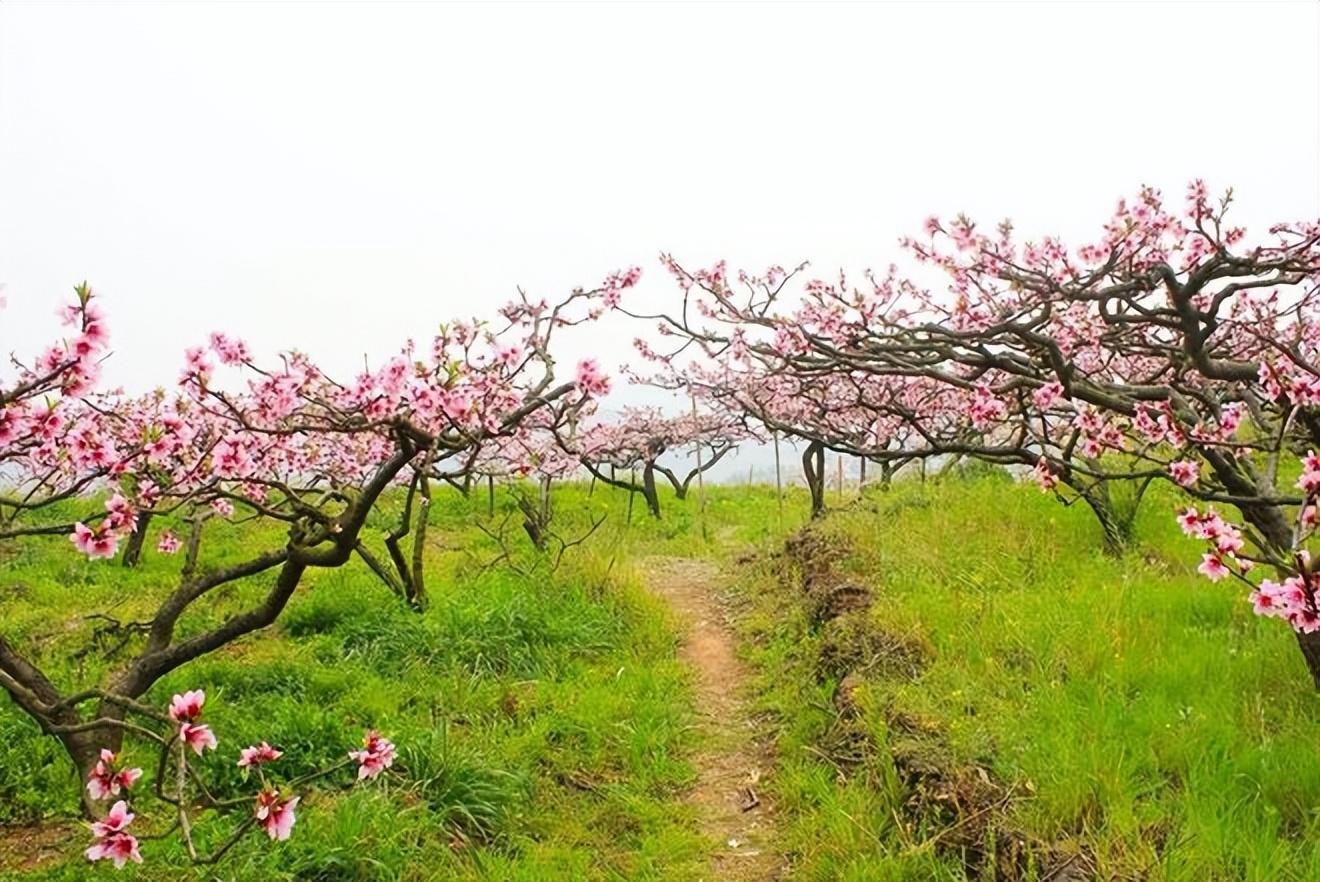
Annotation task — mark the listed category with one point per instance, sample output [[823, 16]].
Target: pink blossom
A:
[[230, 351], [168, 543], [590, 379], [117, 847], [276, 814], [1309, 482], [96, 544], [187, 706], [985, 407], [1047, 395], [376, 756], [1044, 476], [112, 840], [198, 737], [1185, 472], [105, 780], [257, 754], [1212, 567]]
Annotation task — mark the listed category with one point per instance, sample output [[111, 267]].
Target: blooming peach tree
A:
[[638, 439], [282, 444], [1169, 348]]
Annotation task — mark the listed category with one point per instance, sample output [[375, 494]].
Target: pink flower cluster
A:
[[1044, 476], [113, 841], [1292, 600], [1309, 482], [985, 409], [1225, 540], [591, 379], [102, 541], [107, 779], [376, 755], [185, 710]]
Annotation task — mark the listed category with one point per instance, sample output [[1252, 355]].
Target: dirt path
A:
[[733, 810]]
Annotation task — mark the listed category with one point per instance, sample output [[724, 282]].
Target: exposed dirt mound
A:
[[958, 809], [852, 644]]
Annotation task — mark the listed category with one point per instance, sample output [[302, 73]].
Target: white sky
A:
[[337, 177]]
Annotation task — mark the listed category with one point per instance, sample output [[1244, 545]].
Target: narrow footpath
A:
[[733, 810]]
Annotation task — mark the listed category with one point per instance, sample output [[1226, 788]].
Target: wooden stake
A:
[[701, 481], [631, 493], [490, 496], [779, 480]]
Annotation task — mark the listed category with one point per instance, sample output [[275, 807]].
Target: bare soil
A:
[[733, 809]]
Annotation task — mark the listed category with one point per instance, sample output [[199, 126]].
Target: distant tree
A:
[[637, 440]]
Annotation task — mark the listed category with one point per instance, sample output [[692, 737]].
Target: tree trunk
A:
[[133, 548], [649, 492], [813, 467], [1309, 644], [1117, 530]]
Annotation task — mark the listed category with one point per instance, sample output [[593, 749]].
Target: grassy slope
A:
[[1129, 715], [1125, 711], [543, 725]]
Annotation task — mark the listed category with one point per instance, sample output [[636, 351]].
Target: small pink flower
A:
[[117, 847], [188, 706], [104, 780], [96, 544], [198, 737], [168, 543], [1047, 395], [257, 754], [376, 756], [1212, 567], [275, 814], [1185, 472], [1309, 482], [1043, 476], [590, 379]]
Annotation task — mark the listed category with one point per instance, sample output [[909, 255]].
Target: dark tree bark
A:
[[813, 466], [133, 547], [649, 492]]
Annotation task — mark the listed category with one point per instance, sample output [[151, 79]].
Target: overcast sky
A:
[[337, 177]]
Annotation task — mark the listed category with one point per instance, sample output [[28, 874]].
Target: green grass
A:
[[1015, 699], [543, 724], [1127, 713]]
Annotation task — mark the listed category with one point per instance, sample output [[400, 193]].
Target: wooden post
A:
[[779, 480], [490, 496], [838, 481], [861, 477], [701, 480], [632, 483]]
